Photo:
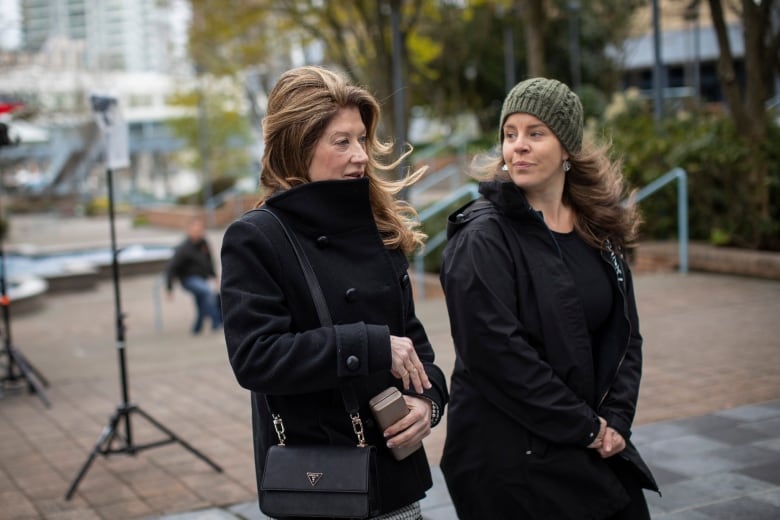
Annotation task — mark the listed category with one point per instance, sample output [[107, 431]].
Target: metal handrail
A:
[[157, 290], [681, 176], [448, 173]]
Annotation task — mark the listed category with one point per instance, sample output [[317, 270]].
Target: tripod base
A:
[[20, 370], [110, 433]]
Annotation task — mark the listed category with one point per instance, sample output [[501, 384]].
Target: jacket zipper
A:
[[538, 217], [619, 273], [614, 263]]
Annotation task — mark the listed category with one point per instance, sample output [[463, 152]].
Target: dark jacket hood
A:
[[497, 197]]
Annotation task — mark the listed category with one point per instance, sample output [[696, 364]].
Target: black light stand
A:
[[111, 433], [17, 368]]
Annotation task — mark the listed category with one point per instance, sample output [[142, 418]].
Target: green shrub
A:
[[140, 220], [98, 206], [198, 198], [718, 163]]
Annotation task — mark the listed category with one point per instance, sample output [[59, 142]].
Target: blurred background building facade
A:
[[128, 35], [137, 51]]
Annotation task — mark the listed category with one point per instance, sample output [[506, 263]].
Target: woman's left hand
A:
[[612, 444], [412, 428], [407, 365]]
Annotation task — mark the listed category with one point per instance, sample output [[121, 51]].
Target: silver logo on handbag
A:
[[313, 478]]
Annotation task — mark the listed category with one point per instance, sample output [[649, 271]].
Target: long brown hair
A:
[[593, 188], [300, 106]]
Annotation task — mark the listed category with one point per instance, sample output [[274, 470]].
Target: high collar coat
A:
[[277, 347], [528, 384]]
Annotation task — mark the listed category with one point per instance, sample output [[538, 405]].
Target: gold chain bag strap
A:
[[319, 480]]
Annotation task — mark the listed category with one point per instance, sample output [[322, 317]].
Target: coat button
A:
[[353, 363], [405, 280], [323, 241], [351, 294], [460, 217]]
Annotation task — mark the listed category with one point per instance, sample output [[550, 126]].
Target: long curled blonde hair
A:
[[300, 106]]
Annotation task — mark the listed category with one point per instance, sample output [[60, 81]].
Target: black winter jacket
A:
[[276, 345], [527, 388]]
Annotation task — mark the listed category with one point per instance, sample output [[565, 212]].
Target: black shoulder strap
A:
[[308, 273], [347, 392]]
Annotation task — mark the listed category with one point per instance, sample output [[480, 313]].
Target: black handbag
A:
[[319, 481]]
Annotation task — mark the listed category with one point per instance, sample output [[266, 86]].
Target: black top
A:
[[590, 278]]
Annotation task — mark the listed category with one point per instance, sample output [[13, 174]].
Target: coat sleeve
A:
[[266, 354], [414, 330], [172, 269], [619, 406], [479, 280]]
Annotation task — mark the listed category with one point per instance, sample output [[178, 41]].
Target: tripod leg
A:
[[181, 441], [30, 375], [31, 368], [101, 446]]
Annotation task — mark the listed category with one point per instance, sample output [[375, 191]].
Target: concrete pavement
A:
[[708, 418]]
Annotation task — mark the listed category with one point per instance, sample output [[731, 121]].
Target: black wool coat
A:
[[277, 347], [528, 385]]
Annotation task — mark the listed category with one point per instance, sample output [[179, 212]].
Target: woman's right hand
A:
[[596, 444], [613, 444], [407, 365]]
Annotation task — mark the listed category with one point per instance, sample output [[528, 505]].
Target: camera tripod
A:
[[18, 369], [117, 436]]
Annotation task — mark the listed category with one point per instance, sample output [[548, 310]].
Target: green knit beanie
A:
[[552, 103]]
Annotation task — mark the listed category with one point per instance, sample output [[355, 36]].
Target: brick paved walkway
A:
[[712, 343]]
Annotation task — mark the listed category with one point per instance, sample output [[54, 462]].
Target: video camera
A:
[[103, 105]]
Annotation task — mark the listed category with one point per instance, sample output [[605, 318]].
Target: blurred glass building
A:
[[127, 35]]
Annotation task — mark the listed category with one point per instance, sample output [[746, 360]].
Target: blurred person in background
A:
[[193, 266]]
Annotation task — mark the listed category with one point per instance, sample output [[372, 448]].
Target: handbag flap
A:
[[327, 469]]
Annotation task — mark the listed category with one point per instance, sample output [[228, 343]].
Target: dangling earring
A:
[[504, 168], [566, 165]]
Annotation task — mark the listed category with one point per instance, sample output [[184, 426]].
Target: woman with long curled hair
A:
[[545, 326], [322, 176]]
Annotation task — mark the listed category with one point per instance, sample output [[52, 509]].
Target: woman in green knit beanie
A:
[[545, 326]]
